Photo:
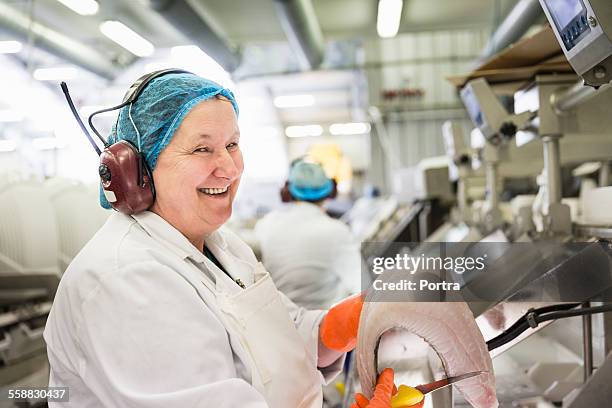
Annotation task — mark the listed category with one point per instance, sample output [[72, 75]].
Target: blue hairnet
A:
[[308, 182], [159, 111]]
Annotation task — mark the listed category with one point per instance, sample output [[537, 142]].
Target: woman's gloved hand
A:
[[382, 394], [338, 331], [385, 395]]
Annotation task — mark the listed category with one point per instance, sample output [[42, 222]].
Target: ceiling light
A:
[[10, 115], [294, 101], [82, 7], [7, 145], [55, 73], [10, 47], [128, 39], [303, 131], [355, 128], [389, 17]]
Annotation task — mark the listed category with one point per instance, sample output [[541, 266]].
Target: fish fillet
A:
[[448, 327]]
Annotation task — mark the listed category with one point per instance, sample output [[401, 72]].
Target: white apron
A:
[[280, 368]]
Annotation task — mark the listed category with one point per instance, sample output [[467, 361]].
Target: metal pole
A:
[[587, 344], [604, 174], [461, 194], [552, 165], [491, 180], [518, 21], [577, 94], [64, 46], [301, 26]]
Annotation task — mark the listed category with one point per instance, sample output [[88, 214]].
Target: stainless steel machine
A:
[[584, 31], [497, 128], [571, 118]]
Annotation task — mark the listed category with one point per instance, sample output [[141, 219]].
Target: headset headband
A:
[[141, 83]]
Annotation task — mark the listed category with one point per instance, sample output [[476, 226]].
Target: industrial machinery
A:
[[77, 213], [572, 253], [29, 275], [496, 128], [566, 268], [469, 187], [44, 225], [584, 31]]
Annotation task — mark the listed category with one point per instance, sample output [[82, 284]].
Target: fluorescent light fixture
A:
[[47, 143], [10, 115], [82, 7], [7, 145], [55, 73], [294, 101], [10, 47], [389, 17], [355, 128], [303, 131], [127, 38]]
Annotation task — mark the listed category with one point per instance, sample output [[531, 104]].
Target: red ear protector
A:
[[285, 194], [126, 180], [334, 192]]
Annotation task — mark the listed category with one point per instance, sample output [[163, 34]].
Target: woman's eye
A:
[[232, 146], [202, 150]]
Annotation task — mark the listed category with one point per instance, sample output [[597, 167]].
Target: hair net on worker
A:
[[308, 182], [159, 111]]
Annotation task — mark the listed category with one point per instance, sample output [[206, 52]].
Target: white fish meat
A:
[[448, 327]]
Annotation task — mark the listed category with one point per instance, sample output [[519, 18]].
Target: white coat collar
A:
[[163, 231], [309, 208]]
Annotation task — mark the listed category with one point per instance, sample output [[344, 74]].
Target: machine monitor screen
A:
[[564, 11], [472, 106], [570, 18]]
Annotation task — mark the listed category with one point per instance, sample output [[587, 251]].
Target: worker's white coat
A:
[[312, 258], [138, 322]]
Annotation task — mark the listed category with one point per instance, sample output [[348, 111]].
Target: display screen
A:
[[472, 106], [564, 11]]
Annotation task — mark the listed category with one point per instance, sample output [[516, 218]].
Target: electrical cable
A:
[[90, 119], [534, 317], [76, 115]]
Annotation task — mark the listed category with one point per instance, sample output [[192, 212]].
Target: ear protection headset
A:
[[126, 180]]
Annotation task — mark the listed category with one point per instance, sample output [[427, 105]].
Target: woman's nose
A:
[[226, 166]]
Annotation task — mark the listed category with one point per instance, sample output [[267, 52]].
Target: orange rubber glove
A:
[[382, 394], [338, 331], [385, 389]]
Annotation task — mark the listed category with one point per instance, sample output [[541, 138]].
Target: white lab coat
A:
[[313, 259], [127, 330]]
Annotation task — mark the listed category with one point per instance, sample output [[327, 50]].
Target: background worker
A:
[[312, 258]]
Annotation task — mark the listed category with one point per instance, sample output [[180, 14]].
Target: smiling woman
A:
[[151, 312], [198, 173]]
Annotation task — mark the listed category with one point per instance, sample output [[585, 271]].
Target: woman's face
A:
[[197, 174]]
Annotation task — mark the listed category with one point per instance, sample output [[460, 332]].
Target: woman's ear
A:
[[285, 194]]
